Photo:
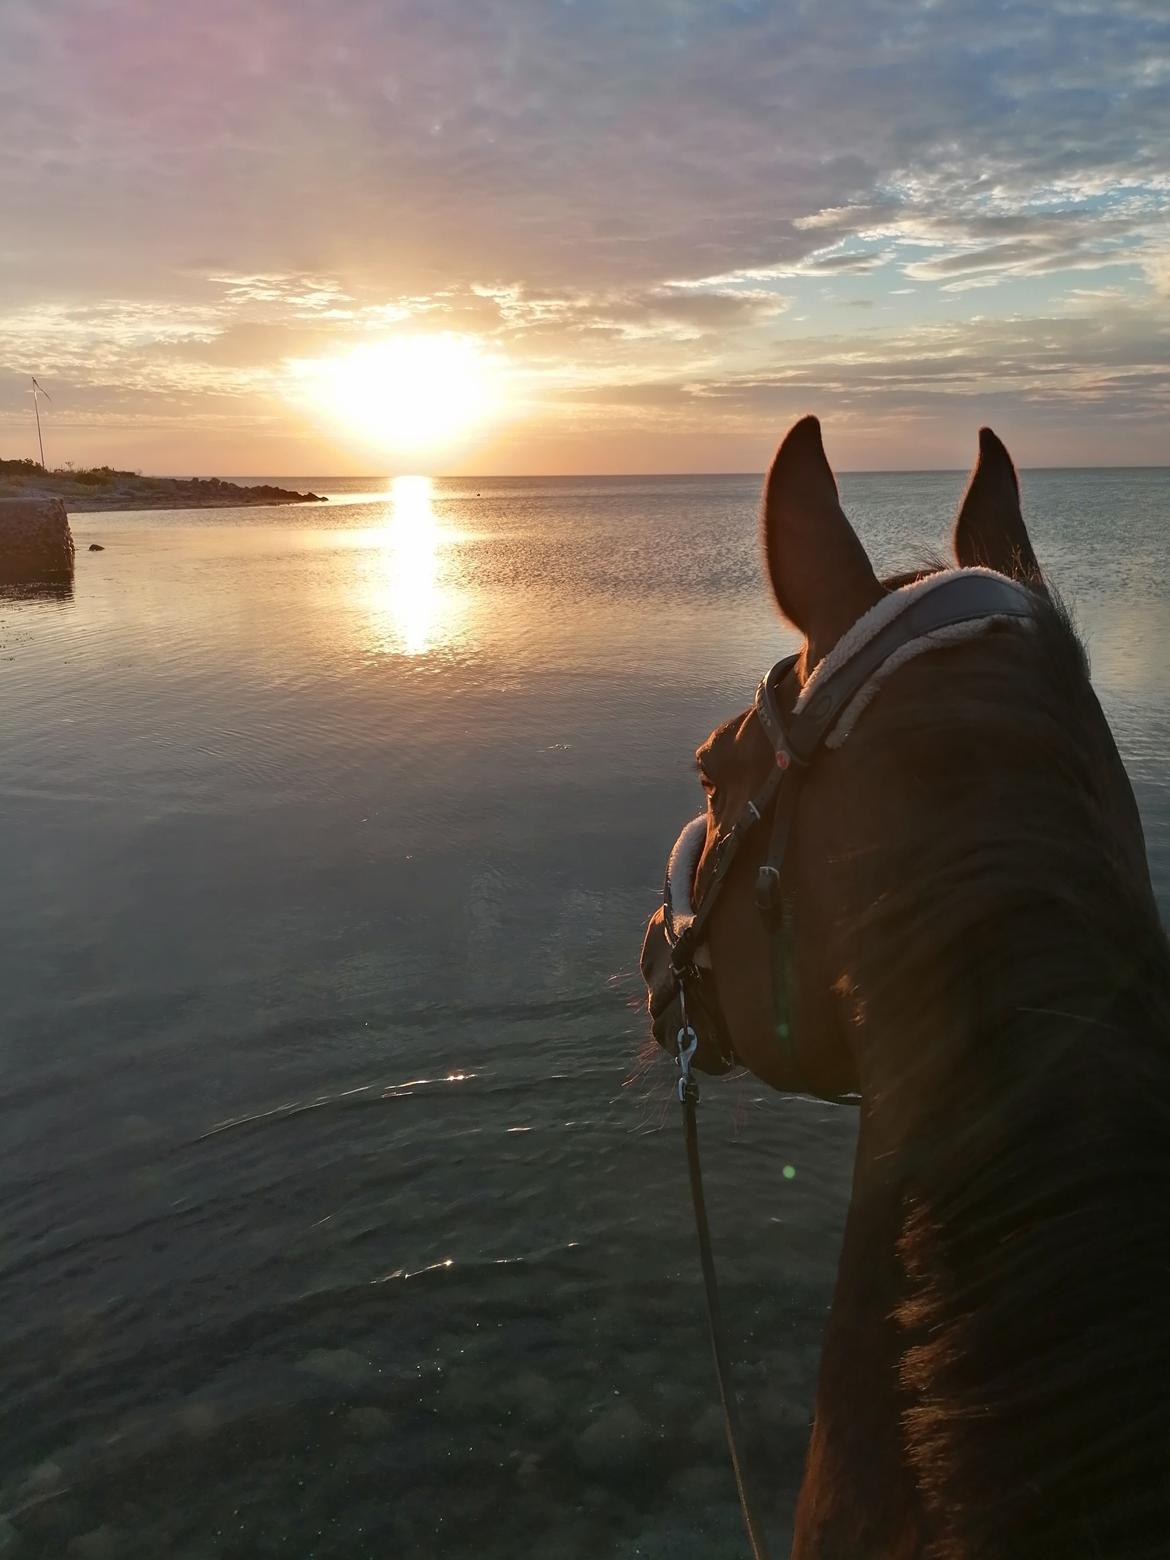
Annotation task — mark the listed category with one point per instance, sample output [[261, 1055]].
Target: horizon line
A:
[[583, 476]]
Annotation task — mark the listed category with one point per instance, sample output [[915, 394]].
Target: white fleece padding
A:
[[889, 607], [681, 868]]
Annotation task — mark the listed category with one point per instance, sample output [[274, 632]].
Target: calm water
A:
[[340, 1216]]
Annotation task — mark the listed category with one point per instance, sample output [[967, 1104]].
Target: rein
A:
[[688, 1093], [961, 601]]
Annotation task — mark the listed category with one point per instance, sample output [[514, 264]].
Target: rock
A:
[[465, 1393], [569, 1540], [9, 1537], [536, 1401], [709, 1429], [703, 1486], [368, 1423], [36, 543], [104, 1543], [46, 1476], [200, 1420], [717, 1536], [644, 1363], [614, 1444], [342, 1367], [138, 1129], [529, 1465], [96, 547]]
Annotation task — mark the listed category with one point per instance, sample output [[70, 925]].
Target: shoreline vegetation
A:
[[104, 487]]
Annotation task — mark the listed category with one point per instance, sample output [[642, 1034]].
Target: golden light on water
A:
[[418, 393], [412, 605]]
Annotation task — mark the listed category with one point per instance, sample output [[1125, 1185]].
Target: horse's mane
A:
[[1014, 965]]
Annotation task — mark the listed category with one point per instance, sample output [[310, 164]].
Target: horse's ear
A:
[[821, 577], [990, 531]]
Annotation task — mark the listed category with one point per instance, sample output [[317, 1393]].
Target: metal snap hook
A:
[[686, 1043]]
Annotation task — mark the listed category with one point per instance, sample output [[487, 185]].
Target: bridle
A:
[[961, 597], [685, 933], [690, 1006]]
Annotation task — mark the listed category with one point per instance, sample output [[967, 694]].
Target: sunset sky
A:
[[635, 235]]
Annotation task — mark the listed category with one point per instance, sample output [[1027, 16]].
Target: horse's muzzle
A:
[[714, 1053]]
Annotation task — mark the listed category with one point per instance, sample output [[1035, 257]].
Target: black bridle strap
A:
[[684, 943], [731, 1418]]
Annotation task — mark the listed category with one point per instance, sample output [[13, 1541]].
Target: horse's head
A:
[[921, 877], [824, 584]]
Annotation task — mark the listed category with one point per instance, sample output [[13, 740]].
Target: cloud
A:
[[1111, 363], [397, 136], [634, 313], [1156, 262], [837, 265], [1103, 360], [604, 191]]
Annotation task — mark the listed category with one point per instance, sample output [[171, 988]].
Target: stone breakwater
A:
[[105, 488], [36, 544]]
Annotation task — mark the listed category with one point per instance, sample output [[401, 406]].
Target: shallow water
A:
[[341, 1217]]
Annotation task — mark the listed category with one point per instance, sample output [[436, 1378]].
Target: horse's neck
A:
[[858, 1497], [1066, 1188]]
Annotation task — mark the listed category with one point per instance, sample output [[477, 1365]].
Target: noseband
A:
[[937, 610]]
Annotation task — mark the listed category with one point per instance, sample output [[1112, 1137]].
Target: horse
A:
[[974, 949]]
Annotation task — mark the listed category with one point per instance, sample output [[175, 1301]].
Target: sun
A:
[[412, 393]]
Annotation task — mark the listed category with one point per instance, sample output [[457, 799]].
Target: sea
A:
[[344, 1201]]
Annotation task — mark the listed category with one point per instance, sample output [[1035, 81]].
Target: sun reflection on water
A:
[[412, 605]]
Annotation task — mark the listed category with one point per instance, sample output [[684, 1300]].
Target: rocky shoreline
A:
[[106, 489]]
